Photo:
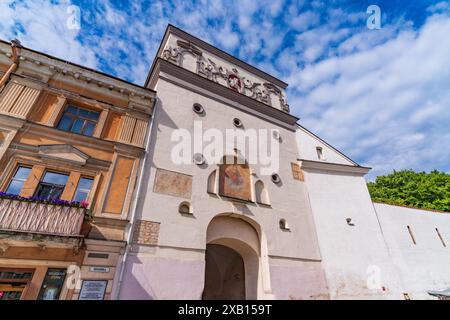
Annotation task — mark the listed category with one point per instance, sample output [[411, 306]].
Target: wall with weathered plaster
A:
[[423, 266], [155, 273]]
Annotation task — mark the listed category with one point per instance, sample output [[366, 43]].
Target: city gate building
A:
[[110, 190]]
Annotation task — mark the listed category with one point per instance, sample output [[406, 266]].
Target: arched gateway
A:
[[233, 260]]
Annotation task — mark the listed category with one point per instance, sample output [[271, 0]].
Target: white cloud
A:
[[387, 105], [42, 25], [380, 96], [303, 21], [227, 38]]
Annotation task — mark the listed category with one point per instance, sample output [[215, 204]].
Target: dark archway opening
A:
[[224, 274]]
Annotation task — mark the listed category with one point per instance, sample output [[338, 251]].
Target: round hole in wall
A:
[[275, 178], [184, 208], [283, 224], [199, 159], [198, 108], [237, 123]]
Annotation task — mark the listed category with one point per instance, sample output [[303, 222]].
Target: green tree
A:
[[415, 189]]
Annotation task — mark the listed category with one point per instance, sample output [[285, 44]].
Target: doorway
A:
[[224, 274]]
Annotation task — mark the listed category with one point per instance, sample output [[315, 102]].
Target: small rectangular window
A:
[[18, 181], [51, 186], [83, 189], [79, 120], [319, 153]]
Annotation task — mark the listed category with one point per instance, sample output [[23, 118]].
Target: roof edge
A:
[[219, 52], [81, 66], [329, 145], [330, 166], [411, 207]]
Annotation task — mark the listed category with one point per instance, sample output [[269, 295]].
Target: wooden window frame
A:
[[88, 196], [11, 177], [76, 117], [56, 172], [67, 195]]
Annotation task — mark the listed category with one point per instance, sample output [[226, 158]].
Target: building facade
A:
[[199, 185], [71, 146], [226, 210]]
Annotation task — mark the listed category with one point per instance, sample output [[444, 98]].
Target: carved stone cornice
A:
[[58, 159], [171, 29], [10, 122], [43, 67], [81, 140], [192, 81]]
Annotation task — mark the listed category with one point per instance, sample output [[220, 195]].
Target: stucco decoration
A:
[[173, 183], [63, 152], [214, 72]]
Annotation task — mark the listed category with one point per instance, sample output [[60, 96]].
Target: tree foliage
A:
[[415, 189]]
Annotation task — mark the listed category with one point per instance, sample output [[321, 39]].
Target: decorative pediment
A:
[[227, 76], [63, 152]]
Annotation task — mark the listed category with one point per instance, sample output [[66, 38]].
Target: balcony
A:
[[42, 218]]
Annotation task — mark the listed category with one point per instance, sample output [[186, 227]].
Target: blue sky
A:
[[380, 96]]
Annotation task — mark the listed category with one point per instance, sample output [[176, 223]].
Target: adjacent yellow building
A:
[[72, 142]]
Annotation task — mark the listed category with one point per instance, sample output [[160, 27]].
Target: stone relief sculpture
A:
[[212, 71], [172, 55]]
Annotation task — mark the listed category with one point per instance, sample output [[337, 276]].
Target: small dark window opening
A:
[[284, 225], [185, 208], [319, 151]]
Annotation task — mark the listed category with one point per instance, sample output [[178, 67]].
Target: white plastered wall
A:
[[423, 266], [352, 254]]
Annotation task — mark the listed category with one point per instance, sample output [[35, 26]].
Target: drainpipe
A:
[[134, 205], [15, 46]]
